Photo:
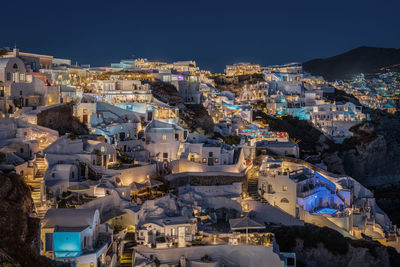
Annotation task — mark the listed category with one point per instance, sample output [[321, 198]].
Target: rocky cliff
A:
[[192, 117], [372, 155], [19, 233], [315, 246], [61, 119]]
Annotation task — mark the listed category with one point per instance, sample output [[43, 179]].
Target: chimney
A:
[[16, 51]]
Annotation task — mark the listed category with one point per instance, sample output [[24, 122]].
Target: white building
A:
[[20, 89], [164, 140], [316, 196], [167, 232], [75, 236]]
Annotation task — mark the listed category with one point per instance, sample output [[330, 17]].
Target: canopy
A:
[[245, 223]]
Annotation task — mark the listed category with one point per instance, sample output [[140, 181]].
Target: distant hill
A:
[[363, 59]]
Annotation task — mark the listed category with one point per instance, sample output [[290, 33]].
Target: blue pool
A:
[[326, 211]]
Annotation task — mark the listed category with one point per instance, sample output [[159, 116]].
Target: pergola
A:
[[245, 223]]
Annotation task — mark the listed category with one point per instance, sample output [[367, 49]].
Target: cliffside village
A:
[[117, 179]]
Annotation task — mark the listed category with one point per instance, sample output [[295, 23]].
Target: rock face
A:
[[310, 139], [192, 117], [167, 93], [196, 119], [372, 155], [61, 119], [19, 233], [315, 246]]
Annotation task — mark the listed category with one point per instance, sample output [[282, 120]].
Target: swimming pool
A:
[[326, 211]]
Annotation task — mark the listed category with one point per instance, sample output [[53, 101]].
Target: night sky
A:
[[214, 33]]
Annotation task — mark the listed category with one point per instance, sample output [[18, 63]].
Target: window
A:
[[188, 230], [192, 158], [164, 137], [8, 76], [20, 92], [210, 154], [15, 66], [284, 200], [284, 188], [165, 155], [176, 137], [49, 242], [21, 150], [269, 188]]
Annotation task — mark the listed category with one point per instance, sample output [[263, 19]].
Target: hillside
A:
[[360, 60], [192, 117], [19, 233], [315, 246]]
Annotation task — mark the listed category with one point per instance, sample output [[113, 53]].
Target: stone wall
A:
[[207, 179]]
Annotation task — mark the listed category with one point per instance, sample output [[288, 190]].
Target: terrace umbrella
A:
[[245, 223]]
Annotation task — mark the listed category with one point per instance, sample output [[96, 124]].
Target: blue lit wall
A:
[[67, 242]]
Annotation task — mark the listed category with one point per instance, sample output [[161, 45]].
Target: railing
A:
[[309, 192]]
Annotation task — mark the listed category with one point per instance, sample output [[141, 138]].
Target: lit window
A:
[[164, 137], [284, 188]]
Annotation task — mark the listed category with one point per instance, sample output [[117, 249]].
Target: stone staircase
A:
[[42, 167], [252, 183], [36, 186], [127, 257], [252, 186], [36, 195]]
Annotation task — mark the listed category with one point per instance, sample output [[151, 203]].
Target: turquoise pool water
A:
[[326, 211]]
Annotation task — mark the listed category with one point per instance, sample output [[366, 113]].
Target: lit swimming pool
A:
[[327, 211]]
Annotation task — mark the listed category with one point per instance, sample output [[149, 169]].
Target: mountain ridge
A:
[[364, 59]]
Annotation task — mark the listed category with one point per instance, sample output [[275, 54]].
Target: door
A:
[[104, 160], [181, 237], [210, 161], [85, 118], [122, 136], [149, 116]]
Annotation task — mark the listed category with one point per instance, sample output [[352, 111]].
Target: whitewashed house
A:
[[75, 236], [164, 140]]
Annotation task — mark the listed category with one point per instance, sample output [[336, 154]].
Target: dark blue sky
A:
[[214, 33]]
